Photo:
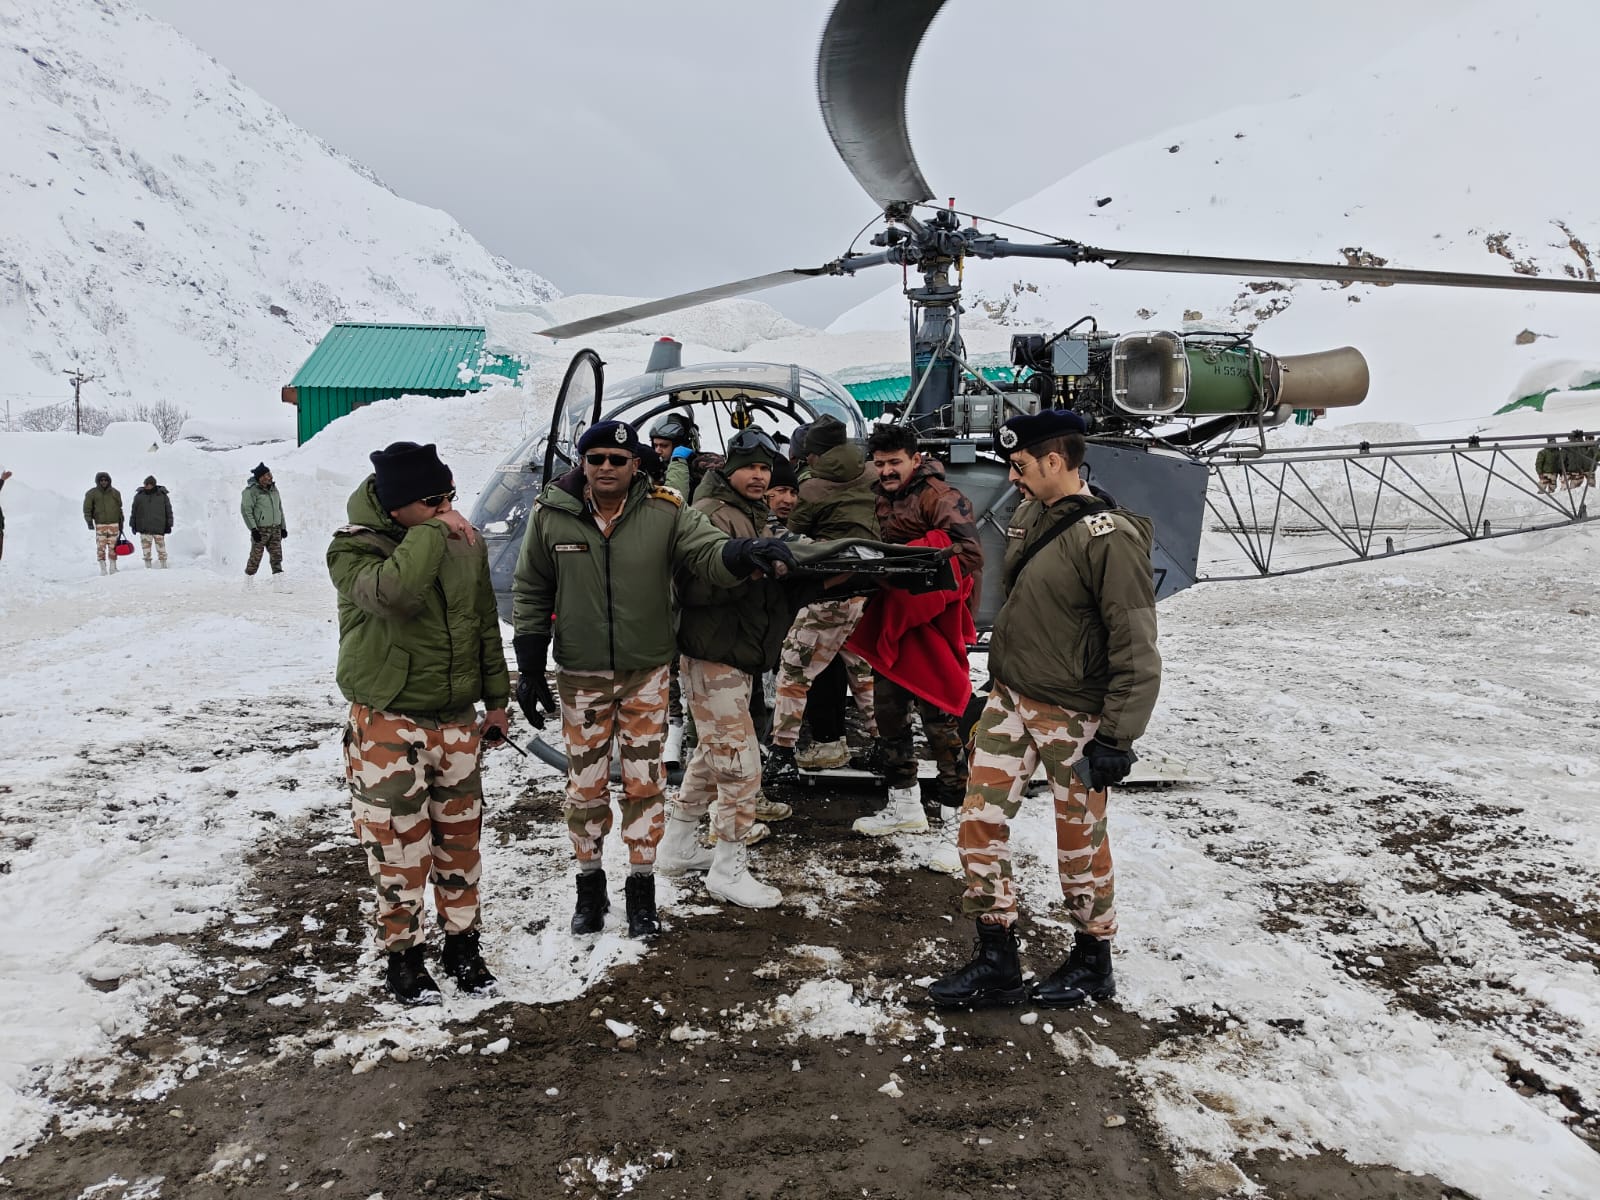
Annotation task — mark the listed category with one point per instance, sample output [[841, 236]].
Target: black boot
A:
[[994, 976], [1086, 975], [593, 903], [780, 767], [462, 962], [640, 892], [408, 978]]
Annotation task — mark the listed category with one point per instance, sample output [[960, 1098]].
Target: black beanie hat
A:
[[783, 475], [260, 469], [149, 481], [406, 472], [825, 433]]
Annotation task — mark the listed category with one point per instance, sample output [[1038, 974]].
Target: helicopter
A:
[[1166, 409]]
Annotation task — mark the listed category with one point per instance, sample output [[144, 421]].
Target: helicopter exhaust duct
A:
[[1165, 374], [1327, 379]]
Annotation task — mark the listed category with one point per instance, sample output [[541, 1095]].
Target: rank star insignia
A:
[[1100, 524], [1008, 438]]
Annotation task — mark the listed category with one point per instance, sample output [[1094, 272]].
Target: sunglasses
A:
[[435, 501], [604, 460], [753, 439]]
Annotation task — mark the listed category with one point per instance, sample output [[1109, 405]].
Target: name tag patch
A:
[[572, 547], [1015, 531]]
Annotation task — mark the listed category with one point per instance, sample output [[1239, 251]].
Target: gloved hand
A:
[[1103, 764], [770, 556], [283, 532], [256, 536], [683, 452], [533, 690]]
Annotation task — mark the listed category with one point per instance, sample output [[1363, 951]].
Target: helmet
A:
[[676, 428]]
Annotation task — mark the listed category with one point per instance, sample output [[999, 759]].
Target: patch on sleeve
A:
[[1015, 531], [1100, 524], [571, 547]]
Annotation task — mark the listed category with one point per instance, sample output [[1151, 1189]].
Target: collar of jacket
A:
[[566, 493], [715, 486], [929, 468]]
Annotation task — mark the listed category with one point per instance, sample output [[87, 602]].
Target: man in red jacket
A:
[[913, 500]]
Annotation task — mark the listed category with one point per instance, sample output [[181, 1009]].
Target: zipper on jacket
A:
[[611, 615], [450, 649]]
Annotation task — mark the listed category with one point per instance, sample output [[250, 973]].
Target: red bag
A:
[[124, 546]]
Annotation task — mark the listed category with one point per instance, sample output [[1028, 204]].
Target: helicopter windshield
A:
[[777, 396]]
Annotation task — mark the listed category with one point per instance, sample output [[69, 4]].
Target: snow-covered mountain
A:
[[1466, 149], [171, 231]]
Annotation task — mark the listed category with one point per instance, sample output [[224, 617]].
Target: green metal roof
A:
[[894, 388], [1536, 401], [409, 357]]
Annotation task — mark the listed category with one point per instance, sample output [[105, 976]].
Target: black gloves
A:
[[283, 532], [256, 536], [768, 555], [1103, 764], [533, 689]]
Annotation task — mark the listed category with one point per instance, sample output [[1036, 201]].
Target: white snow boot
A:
[[946, 857], [148, 564], [903, 814], [730, 879], [681, 849], [102, 566], [113, 566], [672, 754]]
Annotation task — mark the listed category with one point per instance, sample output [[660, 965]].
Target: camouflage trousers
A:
[[416, 797], [724, 773], [817, 635], [272, 542], [105, 542], [628, 708], [159, 540], [893, 705], [1012, 737]]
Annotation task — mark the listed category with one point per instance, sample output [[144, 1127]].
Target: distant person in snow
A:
[[4, 475], [1076, 674], [595, 575], [419, 647], [102, 512], [262, 509], [152, 519]]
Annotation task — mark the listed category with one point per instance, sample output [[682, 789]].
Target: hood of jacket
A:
[[363, 508], [842, 464]]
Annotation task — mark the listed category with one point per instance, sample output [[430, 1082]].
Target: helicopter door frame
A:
[[552, 445]]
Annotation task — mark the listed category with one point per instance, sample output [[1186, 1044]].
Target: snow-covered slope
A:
[[1464, 150], [171, 231]]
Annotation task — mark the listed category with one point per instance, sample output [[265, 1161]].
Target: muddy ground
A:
[[569, 1109]]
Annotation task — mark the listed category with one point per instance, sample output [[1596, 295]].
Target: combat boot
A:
[[1086, 975], [994, 976], [780, 767], [903, 814], [408, 978], [640, 892], [463, 963], [681, 848], [770, 810], [824, 756], [946, 855], [730, 879], [590, 914]]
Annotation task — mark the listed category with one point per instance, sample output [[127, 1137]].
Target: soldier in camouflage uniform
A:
[[102, 512], [261, 506], [728, 637], [836, 501], [1076, 673], [419, 646], [595, 572], [152, 519]]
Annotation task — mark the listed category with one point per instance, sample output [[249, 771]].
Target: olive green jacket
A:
[[262, 507], [1078, 626], [102, 506], [741, 626], [836, 498], [418, 630], [610, 598]]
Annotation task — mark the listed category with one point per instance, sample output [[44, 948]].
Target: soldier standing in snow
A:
[[102, 512], [1076, 673], [152, 519], [912, 500], [4, 475], [419, 646], [595, 572], [262, 509], [728, 637]]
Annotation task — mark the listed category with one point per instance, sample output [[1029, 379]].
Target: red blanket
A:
[[920, 641]]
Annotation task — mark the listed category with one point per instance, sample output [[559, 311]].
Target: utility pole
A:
[[78, 380]]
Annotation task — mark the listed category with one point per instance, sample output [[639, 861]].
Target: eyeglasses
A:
[[604, 460], [435, 501], [747, 440]]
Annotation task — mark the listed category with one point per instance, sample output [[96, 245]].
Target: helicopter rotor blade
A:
[[1263, 268], [863, 65], [848, 265]]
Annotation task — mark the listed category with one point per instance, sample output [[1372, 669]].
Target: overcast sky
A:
[[640, 147]]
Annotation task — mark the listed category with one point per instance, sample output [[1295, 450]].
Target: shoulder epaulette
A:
[[662, 492]]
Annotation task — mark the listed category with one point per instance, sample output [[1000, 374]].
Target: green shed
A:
[[356, 364]]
